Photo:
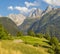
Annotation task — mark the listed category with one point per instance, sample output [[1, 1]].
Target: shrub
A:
[[47, 36], [55, 45], [57, 50], [3, 32], [54, 41], [19, 33], [40, 35], [51, 51], [31, 33]]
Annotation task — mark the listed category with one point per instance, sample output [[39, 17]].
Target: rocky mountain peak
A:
[[36, 13], [48, 9], [17, 18]]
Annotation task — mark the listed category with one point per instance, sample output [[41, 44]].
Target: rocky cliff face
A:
[[34, 16], [17, 19], [39, 13], [48, 9], [36, 13], [49, 23]]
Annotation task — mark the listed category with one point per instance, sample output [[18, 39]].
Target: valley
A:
[[34, 32]]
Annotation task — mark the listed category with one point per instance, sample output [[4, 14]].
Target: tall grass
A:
[[9, 47], [34, 40]]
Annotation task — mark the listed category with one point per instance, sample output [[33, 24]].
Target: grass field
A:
[[34, 40], [11, 47]]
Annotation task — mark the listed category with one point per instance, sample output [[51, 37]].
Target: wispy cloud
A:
[[53, 2], [10, 8], [28, 4], [24, 9]]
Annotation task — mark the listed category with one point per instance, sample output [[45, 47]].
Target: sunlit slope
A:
[[25, 47]]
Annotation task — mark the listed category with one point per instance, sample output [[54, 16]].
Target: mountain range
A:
[[34, 16], [36, 13], [47, 21]]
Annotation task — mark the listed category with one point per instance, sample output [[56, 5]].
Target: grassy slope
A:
[[10, 47], [33, 40]]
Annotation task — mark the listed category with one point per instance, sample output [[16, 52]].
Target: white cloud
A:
[[10, 8], [53, 2], [21, 9], [24, 9], [28, 4]]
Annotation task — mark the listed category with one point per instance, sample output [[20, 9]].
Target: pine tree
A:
[[3, 33]]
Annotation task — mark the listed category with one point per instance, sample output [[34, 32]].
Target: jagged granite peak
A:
[[17, 18], [36, 13], [48, 9]]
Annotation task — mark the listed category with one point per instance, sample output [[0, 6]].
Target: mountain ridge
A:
[[36, 13], [49, 23], [9, 25], [17, 18]]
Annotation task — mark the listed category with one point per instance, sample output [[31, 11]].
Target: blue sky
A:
[[24, 6]]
